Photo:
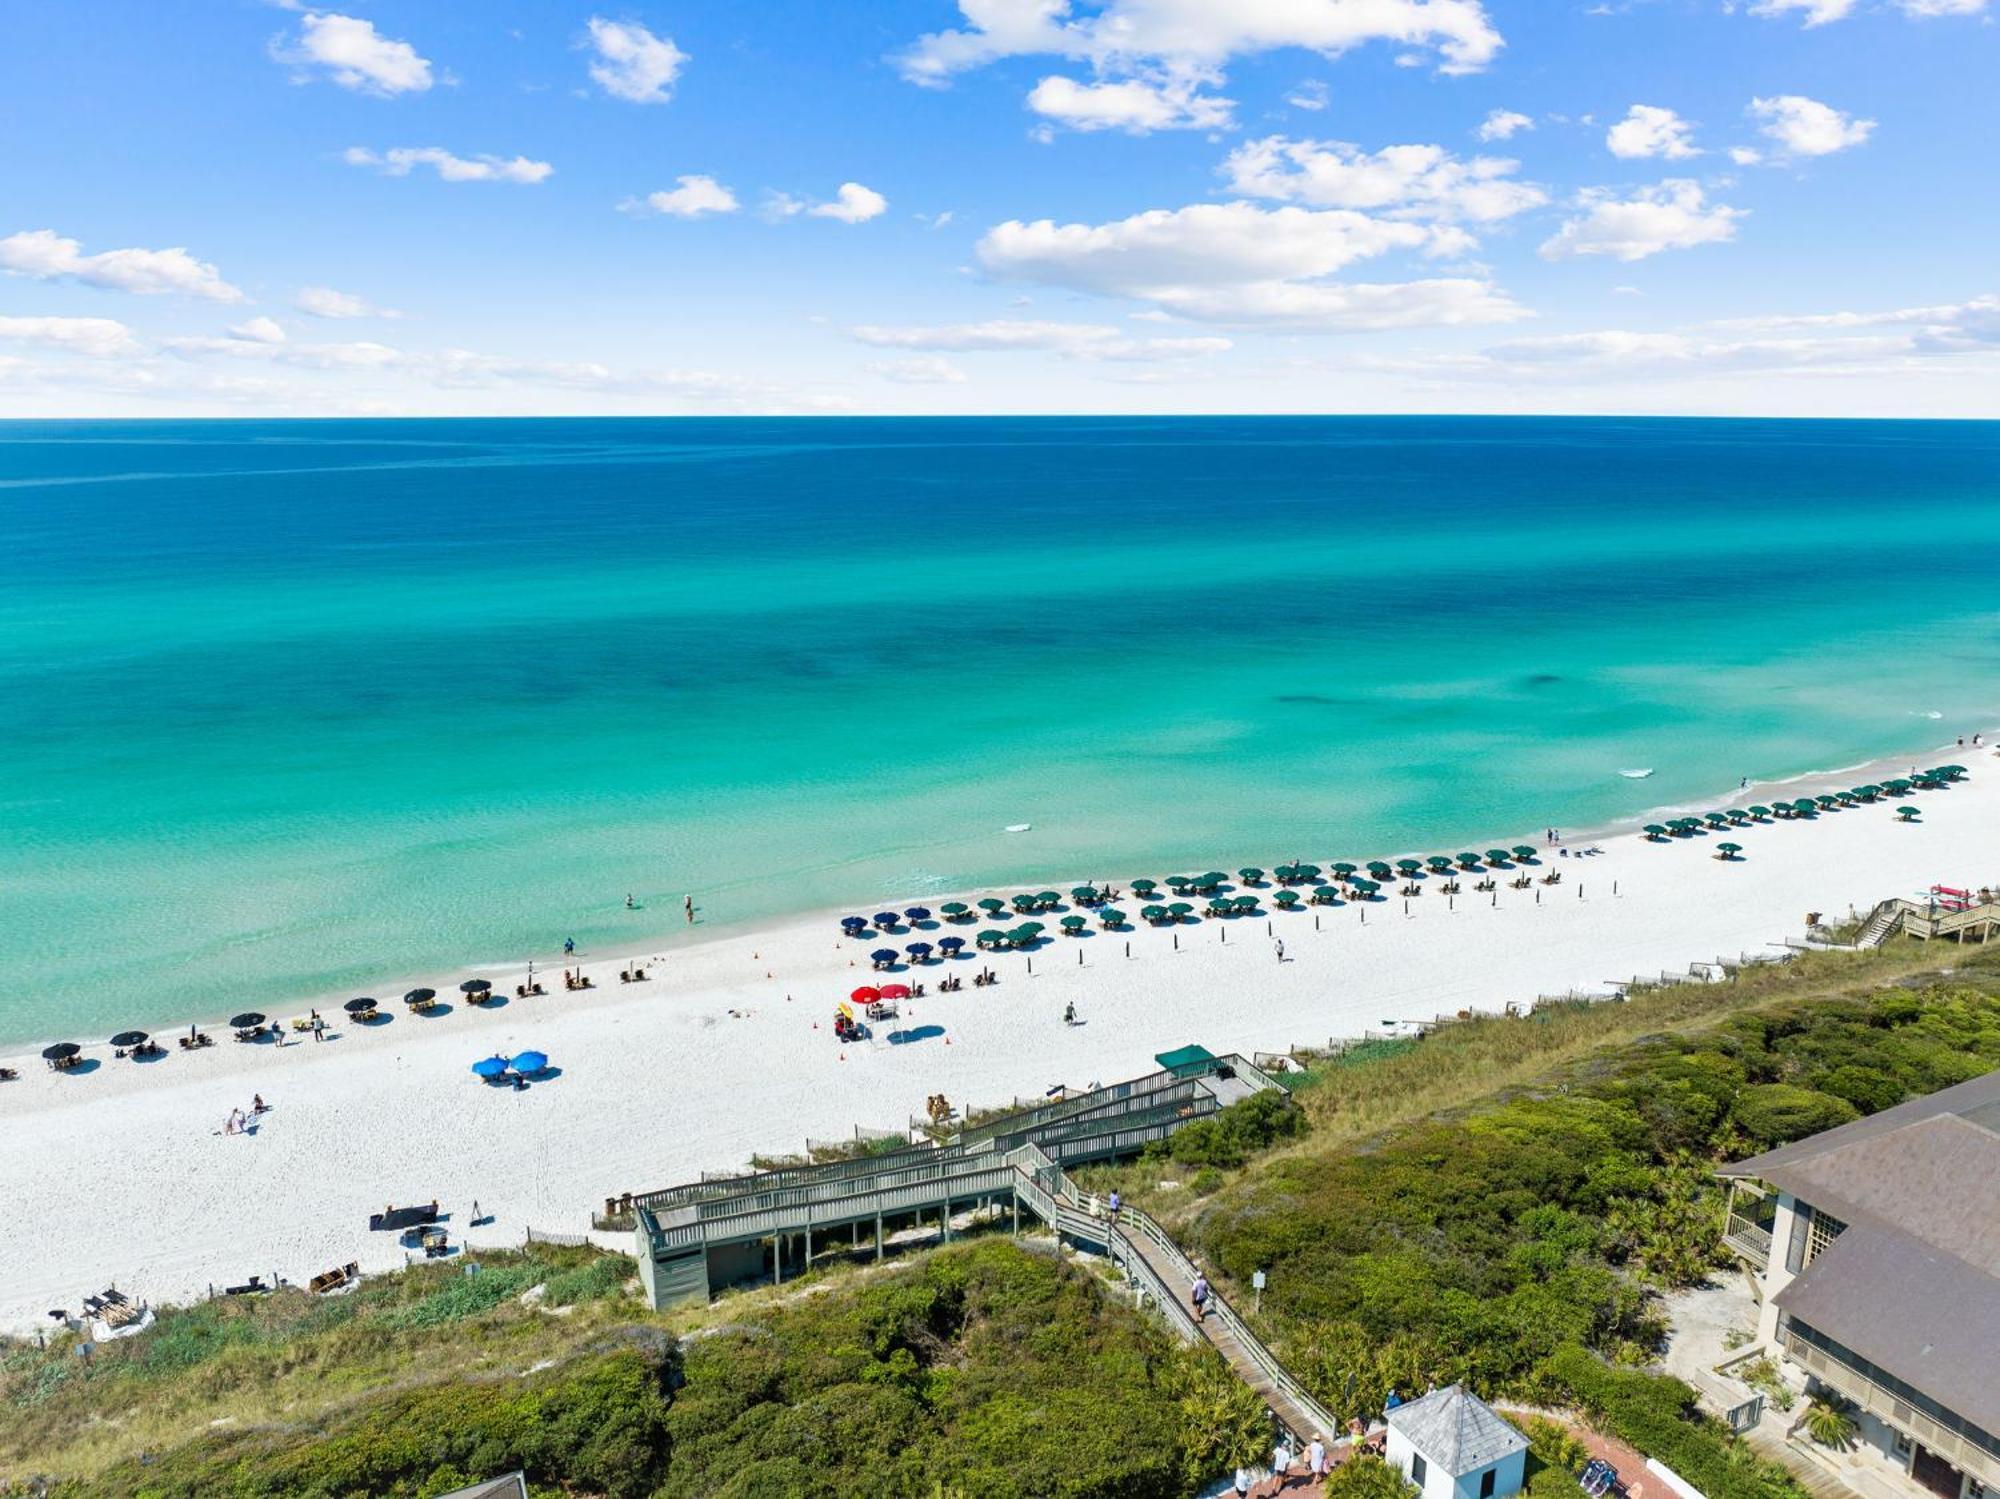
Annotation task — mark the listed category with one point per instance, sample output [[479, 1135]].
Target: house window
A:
[[1823, 1230], [1903, 1443], [1417, 1469], [1486, 1482]]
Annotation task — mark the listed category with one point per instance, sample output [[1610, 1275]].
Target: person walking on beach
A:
[[1198, 1294], [1316, 1458], [1281, 1464], [1279, 945], [569, 946], [1242, 1481], [1117, 1203]]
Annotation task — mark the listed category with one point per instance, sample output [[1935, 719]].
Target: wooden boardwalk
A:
[[1221, 1332]]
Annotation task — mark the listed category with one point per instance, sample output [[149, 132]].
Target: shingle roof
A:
[[1925, 1316], [1456, 1430]]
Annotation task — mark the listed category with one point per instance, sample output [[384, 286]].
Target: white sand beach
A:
[[121, 1173]]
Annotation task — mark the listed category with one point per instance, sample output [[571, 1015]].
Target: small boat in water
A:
[[1018, 827], [1635, 775]]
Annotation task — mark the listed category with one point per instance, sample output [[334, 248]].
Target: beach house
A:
[[1874, 1252], [1452, 1445]]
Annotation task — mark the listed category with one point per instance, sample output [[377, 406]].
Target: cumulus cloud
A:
[[1239, 263], [1401, 181], [1135, 106], [1816, 12], [354, 55], [696, 197], [1674, 215], [1091, 341], [926, 369], [1132, 36], [1648, 130], [402, 160], [631, 63], [44, 255], [1806, 127], [99, 337], [325, 302], [1503, 124], [853, 204], [259, 330]]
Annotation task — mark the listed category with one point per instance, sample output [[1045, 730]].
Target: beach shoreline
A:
[[678, 944], [130, 1178]]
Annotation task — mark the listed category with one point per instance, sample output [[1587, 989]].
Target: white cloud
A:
[[1924, 9], [325, 302], [1806, 127], [1310, 95], [1817, 12], [1503, 124], [1950, 327], [99, 337], [402, 160], [1092, 341], [44, 255], [1674, 215], [1128, 36], [923, 370], [1403, 181], [853, 204], [1238, 263], [1746, 156], [1648, 130], [633, 64], [354, 55], [259, 330], [1134, 105], [696, 197]]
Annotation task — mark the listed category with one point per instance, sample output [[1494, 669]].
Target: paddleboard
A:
[[1635, 775], [1018, 827]]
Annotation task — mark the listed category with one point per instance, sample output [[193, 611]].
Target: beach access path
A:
[[121, 1173]]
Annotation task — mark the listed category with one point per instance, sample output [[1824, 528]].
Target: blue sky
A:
[[412, 207]]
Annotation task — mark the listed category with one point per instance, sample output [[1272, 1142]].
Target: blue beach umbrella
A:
[[886, 920], [527, 1063], [490, 1067], [918, 913]]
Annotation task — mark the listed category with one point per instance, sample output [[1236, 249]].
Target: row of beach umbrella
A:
[[1805, 806], [1209, 883]]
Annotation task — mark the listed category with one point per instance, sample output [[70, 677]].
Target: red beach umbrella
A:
[[895, 991], [864, 994]]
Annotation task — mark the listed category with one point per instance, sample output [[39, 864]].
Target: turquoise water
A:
[[301, 707]]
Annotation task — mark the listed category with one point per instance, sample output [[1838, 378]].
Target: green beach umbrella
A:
[[1468, 860], [1179, 908], [1366, 887], [1022, 937], [1251, 875], [990, 939], [1760, 811], [1111, 916], [954, 909], [1287, 898], [1343, 870], [1805, 804], [1031, 926], [1908, 814], [1718, 819], [1409, 866], [1326, 895], [1523, 851], [1497, 856], [1729, 850], [1378, 870], [990, 904], [1827, 801], [1438, 862], [1073, 923], [1143, 887], [1654, 830], [1154, 913]]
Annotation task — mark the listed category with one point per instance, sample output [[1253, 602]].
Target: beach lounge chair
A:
[[8, 1075]]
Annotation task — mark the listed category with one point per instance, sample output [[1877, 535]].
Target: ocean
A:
[[307, 707]]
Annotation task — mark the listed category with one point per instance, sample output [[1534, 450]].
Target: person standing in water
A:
[[688, 902]]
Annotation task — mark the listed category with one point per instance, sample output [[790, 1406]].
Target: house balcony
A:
[[1748, 1240]]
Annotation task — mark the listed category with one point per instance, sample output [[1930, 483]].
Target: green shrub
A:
[[1778, 1113]]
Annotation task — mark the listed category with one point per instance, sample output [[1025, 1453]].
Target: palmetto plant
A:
[[1829, 1423]]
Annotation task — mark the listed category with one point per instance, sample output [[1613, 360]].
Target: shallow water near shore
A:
[[306, 706]]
